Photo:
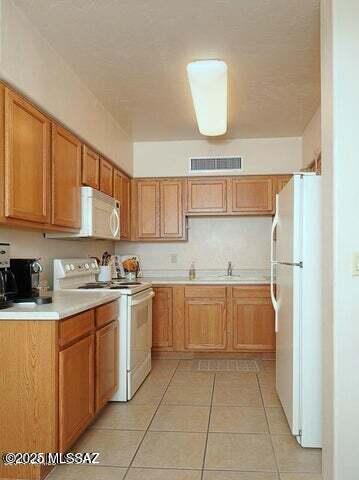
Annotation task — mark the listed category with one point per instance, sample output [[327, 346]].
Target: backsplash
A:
[[212, 242], [28, 244]]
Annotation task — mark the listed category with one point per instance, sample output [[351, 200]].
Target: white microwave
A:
[[100, 217]]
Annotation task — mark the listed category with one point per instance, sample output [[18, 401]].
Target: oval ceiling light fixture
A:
[[209, 88]]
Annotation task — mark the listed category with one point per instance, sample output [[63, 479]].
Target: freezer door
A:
[[289, 227], [288, 343]]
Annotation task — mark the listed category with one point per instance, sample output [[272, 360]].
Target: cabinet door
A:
[[122, 193], [76, 390], [107, 342], [90, 168], [126, 208], [162, 317], [253, 320], [205, 324], [117, 185], [148, 209], [252, 195], [206, 195], [27, 161], [106, 177], [172, 213], [66, 178]]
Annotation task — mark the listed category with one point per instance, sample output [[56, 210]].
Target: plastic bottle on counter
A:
[[192, 271]]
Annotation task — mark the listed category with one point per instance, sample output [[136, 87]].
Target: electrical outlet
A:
[[356, 264], [174, 257]]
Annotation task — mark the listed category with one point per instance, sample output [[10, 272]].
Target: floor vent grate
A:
[[213, 365]]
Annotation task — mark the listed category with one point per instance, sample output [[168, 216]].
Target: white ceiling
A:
[[132, 54]]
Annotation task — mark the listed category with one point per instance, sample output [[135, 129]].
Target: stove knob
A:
[[72, 267], [87, 266], [67, 267]]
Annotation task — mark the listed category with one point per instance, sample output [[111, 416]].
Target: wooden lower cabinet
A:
[[57, 379], [76, 390], [252, 320], [205, 324], [205, 318], [106, 363], [162, 318]]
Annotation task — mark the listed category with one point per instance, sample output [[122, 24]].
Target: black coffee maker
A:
[[8, 287], [27, 275]]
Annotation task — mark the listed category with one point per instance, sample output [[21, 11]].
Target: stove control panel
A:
[[66, 268]]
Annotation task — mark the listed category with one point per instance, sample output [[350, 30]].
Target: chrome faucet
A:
[[229, 269]]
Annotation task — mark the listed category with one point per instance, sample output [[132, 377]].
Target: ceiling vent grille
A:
[[205, 165]]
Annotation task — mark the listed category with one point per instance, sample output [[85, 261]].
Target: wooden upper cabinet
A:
[[281, 181], [122, 193], [117, 185], [206, 195], [252, 195], [106, 363], [252, 319], [126, 208], [106, 177], [27, 161], [90, 168], [160, 210], [162, 318], [76, 390], [172, 211], [66, 178], [148, 209]]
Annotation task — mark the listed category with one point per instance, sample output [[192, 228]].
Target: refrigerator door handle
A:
[[274, 300], [272, 264]]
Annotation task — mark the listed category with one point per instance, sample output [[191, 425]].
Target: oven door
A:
[[139, 338]]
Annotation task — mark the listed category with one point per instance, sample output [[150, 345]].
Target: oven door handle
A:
[[142, 298]]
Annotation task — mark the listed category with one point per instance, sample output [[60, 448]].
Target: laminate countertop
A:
[[65, 304], [209, 280]]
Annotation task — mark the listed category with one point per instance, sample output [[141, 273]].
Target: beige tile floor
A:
[[188, 425]]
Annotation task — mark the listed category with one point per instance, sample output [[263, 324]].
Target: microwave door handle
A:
[[117, 218], [111, 223]]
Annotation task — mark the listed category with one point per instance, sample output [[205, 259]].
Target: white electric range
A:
[[135, 318]]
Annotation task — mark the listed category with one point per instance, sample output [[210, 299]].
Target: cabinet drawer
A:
[[205, 292], [254, 291], [75, 327], [106, 313]]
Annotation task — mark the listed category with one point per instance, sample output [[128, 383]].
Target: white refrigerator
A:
[[296, 296]]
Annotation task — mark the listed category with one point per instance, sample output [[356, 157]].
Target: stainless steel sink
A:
[[228, 277]]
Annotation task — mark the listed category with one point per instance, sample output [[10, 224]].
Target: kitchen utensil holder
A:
[[105, 273]]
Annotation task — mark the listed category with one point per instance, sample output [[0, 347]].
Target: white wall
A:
[[31, 65], [312, 139], [261, 155], [340, 100], [29, 244], [212, 242]]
